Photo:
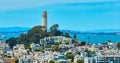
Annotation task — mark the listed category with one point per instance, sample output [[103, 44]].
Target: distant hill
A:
[[25, 29], [71, 31], [92, 31], [14, 29], [104, 31]]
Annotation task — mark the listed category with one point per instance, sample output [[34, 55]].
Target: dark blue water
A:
[[98, 38]]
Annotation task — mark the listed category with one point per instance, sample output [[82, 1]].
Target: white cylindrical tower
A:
[[44, 21]]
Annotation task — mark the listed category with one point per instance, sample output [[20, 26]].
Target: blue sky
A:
[[72, 14]]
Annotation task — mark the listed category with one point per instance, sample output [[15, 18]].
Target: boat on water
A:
[[118, 33], [3, 36]]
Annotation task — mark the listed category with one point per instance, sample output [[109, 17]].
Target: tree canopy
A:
[[54, 31], [80, 61], [51, 61], [34, 35], [67, 35], [12, 41], [83, 43], [69, 55], [118, 45], [75, 37]]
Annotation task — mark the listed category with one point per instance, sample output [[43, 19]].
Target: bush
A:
[[66, 43], [69, 55], [80, 61], [71, 62], [48, 46], [42, 51], [56, 48], [51, 61], [37, 50], [83, 43], [56, 43], [9, 56], [118, 45]]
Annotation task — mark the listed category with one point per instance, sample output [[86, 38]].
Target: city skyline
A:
[[72, 15]]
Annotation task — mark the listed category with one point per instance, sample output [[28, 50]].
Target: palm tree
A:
[[88, 39]]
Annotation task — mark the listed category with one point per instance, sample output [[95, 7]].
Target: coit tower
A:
[[44, 21]]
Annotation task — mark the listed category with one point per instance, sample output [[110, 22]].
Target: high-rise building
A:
[[44, 21]]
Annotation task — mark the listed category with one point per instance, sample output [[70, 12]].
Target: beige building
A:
[[19, 50]]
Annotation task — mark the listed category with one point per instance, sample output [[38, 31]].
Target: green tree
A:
[[69, 55], [109, 41], [51, 61], [75, 37], [23, 38], [66, 43], [54, 30], [34, 38], [12, 41], [88, 39], [37, 50], [56, 43], [58, 33], [35, 30], [100, 47], [83, 43], [3, 55], [88, 52], [56, 48], [75, 40], [27, 47], [118, 45], [48, 46], [67, 35], [71, 62], [54, 27], [77, 44], [9, 56], [80, 61], [35, 34], [42, 51]]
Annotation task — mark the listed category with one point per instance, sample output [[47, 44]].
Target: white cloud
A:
[[23, 4]]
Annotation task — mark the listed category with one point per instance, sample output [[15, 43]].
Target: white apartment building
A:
[[51, 40]]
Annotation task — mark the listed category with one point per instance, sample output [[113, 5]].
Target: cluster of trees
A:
[[4, 55], [80, 61], [34, 35]]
